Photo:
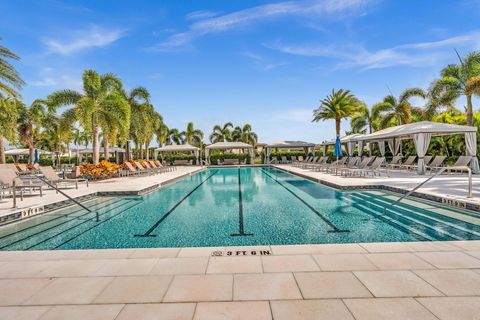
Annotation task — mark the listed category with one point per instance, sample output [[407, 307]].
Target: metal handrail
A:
[[59, 191], [469, 191]]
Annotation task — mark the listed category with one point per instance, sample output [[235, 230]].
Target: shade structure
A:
[[288, 144], [337, 151], [229, 146], [25, 152], [421, 134], [179, 148]]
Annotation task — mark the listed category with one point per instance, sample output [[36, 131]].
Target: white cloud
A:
[[201, 14], [93, 37], [295, 115], [257, 14], [413, 54], [56, 78], [263, 63]]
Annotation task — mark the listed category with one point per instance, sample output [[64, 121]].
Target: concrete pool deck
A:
[[416, 280]]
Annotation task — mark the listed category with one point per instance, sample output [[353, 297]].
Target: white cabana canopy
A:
[[287, 145], [25, 152], [110, 150], [179, 148], [421, 133], [229, 146]]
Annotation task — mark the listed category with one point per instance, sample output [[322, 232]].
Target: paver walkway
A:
[[417, 280]]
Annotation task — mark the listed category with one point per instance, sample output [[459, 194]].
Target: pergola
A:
[[229, 146], [287, 145], [349, 141], [179, 148], [421, 133], [112, 150]]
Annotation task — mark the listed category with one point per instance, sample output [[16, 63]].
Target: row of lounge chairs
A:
[[356, 166], [145, 168]]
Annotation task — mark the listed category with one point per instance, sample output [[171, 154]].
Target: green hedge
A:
[[243, 157], [171, 157]]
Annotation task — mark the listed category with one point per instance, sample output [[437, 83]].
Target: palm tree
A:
[[162, 134], [462, 79], [192, 136], [10, 80], [8, 122], [29, 120], [363, 121], [221, 134], [338, 105], [174, 136], [101, 100], [245, 134], [393, 111]]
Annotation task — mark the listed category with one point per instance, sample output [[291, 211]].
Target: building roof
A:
[[177, 147], [229, 145], [291, 144]]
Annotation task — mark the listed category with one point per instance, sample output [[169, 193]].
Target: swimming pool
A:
[[241, 206]]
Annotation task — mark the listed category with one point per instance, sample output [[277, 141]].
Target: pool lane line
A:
[[148, 233], [96, 225], [335, 229], [55, 217], [241, 231], [53, 227]]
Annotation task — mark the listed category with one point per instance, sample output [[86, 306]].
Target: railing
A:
[[59, 191], [469, 190]]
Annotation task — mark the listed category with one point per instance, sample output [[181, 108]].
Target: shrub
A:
[[242, 157], [102, 170], [171, 157]]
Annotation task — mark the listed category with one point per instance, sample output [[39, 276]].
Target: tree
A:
[[363, 121], [10, 80], [174, 136], [462, 79], [101, 99], [245, 134], [29, 120], [338, 105], [8, 123], [393, 111], [192, 136], [221, 134], [162, 134]]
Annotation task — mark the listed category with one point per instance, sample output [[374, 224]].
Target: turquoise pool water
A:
[[241, 206]]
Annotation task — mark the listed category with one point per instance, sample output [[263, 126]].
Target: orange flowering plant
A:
[[102, 170]]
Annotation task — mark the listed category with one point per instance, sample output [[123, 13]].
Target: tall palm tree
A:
[[174, 136], [162, 134], [245, 134], [393, 111], [338, 105], [192, 136], [8, 122], [462, 79], [29, 120], [10, 80], [221, 134], [363, 121], [101, 100]]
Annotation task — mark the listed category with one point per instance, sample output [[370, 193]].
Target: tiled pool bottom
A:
[[241, 207]]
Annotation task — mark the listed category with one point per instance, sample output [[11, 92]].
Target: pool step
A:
[[395, 222], [420, 221], [451, 224], [42, 238]]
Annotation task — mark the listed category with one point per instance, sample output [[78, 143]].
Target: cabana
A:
[[306, 146], [15, 153], [349, 141], [179, 148], [112, 150], [421, 133], [229, 146]]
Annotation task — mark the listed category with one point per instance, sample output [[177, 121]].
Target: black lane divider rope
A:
[[321, 216], [56, 217], [53, 227], [241, 231], [96, 225], [156, 224]]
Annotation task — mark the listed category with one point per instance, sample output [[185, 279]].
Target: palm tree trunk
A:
[[337, 126], [146, 151], [31, 152], [469, 111], [2, 150], [95, 145]]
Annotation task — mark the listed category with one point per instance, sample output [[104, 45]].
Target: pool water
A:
[[241, 206]]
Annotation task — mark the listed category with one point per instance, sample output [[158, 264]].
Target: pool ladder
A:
[[439, 172]]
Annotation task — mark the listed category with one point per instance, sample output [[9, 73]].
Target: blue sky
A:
[[267, 63]]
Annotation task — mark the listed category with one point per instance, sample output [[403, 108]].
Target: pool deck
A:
[[417, 280]]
